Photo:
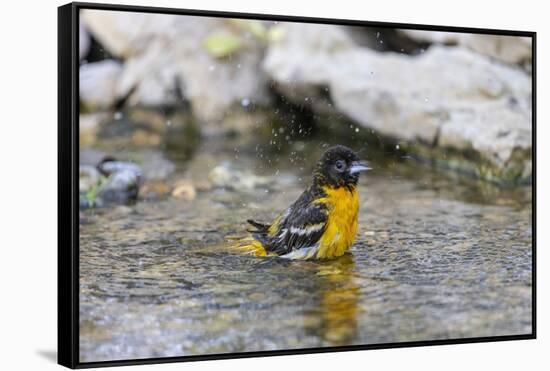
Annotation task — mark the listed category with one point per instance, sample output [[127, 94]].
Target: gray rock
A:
[[84, 41], [447, 97], [508, 49], [89, 125], [122, 184], [165, 57], [109, 168], [98, 83], [120, 188]]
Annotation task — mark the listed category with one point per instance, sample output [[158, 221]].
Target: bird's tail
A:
[[246, 245]]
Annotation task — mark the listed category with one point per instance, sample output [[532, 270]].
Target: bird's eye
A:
[[340, 165]]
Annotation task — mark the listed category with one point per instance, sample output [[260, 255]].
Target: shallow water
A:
[[435, 258]]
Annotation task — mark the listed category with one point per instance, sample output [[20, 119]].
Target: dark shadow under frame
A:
[[68, 202]]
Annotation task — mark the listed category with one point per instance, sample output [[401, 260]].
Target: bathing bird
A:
[[322, 222]]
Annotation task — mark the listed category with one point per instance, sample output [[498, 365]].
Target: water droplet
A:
[[356, 130], [211, 68], [397, 146], [245, 102], [118, 115]]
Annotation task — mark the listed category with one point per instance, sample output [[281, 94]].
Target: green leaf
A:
[[91, 196], [221, 45], [276, 34]]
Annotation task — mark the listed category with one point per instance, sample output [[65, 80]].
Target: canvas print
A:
[[253, 185]]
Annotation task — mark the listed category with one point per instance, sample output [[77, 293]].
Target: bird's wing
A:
[[301, 227]]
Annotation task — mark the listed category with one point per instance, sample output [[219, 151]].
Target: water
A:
[[435, 258]]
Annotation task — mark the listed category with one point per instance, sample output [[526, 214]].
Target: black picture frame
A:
[[68, 201]]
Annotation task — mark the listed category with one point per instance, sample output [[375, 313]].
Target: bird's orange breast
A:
[[339, 235]]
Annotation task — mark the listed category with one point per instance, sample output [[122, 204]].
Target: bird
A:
[[322, 222]]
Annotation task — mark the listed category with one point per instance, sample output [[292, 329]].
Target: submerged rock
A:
[[185, 190], [448, 98], [154, 190]]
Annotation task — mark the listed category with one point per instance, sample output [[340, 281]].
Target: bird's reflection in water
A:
[[335, 318]]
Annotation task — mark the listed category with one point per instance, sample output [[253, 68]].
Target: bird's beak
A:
[[357, 167]]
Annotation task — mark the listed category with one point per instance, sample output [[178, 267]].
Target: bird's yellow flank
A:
[[341, 228]]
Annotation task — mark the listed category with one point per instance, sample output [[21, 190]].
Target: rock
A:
[[84, 41], [98, 82], [228, 176], [185, 190], [311, 49], [439, 37], [89, 124], [202, 185], [169, 58], [122, 184], [120, 188], [156, 167], [508, 49], [110, 167], [154, 190], [505, 141], [445, 98], [144, 138]]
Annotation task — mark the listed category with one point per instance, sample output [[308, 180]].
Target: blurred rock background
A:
[[457, 101]]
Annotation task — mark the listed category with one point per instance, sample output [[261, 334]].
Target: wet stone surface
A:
[[434, 259]]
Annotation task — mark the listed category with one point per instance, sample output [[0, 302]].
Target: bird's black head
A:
[[339, 166]]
